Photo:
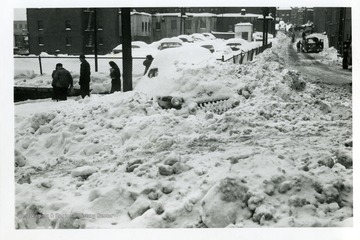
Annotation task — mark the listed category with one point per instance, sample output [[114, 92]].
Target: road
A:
[[310, 65]]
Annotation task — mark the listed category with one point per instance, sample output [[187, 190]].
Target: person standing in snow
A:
[[84, 81], [298, 46], [115, 75], [55, 93], [147, 62], [62, 80]]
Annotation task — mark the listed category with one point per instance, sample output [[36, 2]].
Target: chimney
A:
[[243, 11]]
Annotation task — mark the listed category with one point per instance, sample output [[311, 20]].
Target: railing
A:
[[247, 56], [40, 59]]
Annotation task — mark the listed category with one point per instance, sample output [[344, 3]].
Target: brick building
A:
[[71, 30]]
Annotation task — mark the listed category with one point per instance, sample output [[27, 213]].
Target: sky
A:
[[19, 14]]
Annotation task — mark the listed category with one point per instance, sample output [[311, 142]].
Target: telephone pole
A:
[[126, 47]]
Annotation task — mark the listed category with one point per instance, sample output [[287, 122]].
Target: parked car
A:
[[258, 36], [134, 45], [209, 44], [168, 81], [237, 44], [209, 36], [170, 43], [312, 44], [186, 38], [198, 37]]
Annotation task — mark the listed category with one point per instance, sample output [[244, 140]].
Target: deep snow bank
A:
[[281, 158]]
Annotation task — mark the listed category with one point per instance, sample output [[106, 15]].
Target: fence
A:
[[47, 63], [247, 56]]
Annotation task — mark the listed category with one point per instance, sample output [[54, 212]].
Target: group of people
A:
[[62, 81]]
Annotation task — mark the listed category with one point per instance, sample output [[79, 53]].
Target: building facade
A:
[[335, 22], [71, 30], [20, 37]]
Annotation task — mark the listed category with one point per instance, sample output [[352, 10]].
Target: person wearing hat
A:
[[62, 81], [84, 81]]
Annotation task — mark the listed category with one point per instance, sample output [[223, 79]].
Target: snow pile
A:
[[331, 56], [281, 158]]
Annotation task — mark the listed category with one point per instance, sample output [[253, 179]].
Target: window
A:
[[158, 25], [41, 41], [149, 26], [67, 25], [68, 41], [202, 23], [20, 26], [245, 35], [100, 25], [142, 26], [40, 25], [187, 24], [173, 24], [146, 26], [101, 41]]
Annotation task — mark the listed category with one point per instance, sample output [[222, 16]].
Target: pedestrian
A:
[[303, 35], [84, 81], [147, 62], [293, 37], [298, 46], [62, 81], [115, 75], [55, 93]]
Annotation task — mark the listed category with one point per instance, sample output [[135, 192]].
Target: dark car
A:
[[312, 44]]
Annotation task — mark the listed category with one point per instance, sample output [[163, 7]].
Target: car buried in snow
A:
[[175, 80]]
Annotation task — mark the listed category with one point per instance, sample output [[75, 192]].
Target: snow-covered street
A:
[[282, 157]]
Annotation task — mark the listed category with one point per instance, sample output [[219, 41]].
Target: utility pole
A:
[[181, 20], [126, 46], [95, 41], [265, 12]]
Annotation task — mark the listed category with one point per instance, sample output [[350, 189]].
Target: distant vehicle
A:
[[312, 44], [237, 44], [134, 45], [170, 43]]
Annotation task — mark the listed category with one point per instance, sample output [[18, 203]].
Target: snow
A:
[[281, 158]]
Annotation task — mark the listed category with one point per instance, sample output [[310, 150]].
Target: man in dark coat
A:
[[55, 91], [62, 81], [147, 62], [84, 77]]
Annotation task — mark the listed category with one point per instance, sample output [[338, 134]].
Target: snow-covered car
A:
[[186, 38], [210, 45], [170, 43], [134, 45], [171, 83], [209, 36], [258, 36], [237, 44], [198, 37]]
